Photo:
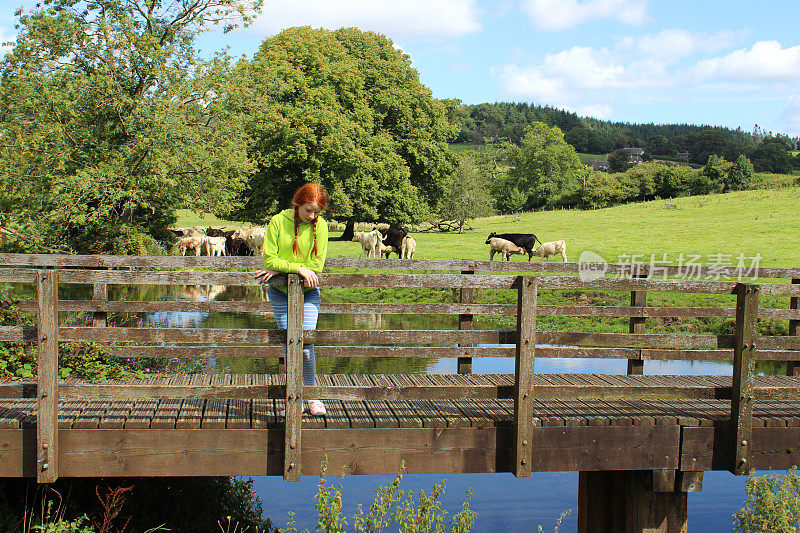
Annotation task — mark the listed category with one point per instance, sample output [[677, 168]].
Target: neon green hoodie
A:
[[278, 242]]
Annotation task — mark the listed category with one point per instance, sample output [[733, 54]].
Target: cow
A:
[[526, 241]]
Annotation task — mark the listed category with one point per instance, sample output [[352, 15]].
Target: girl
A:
[[297, 242]]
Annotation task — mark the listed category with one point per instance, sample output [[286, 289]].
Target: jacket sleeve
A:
[[271, 259]]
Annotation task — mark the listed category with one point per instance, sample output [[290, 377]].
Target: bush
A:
[[391, 506], [773, 504]]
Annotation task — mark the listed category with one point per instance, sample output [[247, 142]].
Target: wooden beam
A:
[[294, 380], [742, 394], [793, 367], [99, 297], [637, 325], [623, 501], [527, 292], [466, 296], [47, 377]]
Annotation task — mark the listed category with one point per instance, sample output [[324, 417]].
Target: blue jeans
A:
[[311, 300]]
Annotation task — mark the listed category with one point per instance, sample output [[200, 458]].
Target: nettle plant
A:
[[391, 506]]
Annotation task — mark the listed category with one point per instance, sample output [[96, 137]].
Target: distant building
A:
[[683, 156], [634, 155], [596, 164]]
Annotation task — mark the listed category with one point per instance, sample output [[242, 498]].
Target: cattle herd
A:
[[213, 242], [374, 244]]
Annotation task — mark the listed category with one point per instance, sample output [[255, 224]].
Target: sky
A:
[[721, 63]]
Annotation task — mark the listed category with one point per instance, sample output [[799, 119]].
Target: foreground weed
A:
[[390, 507], [773, 504]]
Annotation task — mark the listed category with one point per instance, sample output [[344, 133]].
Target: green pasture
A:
[[585, 158], [765, 222]]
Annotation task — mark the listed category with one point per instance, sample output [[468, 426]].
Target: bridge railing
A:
[[525, 342]]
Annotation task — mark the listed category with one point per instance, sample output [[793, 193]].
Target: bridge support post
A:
[[793, 367], [744, 365], [626, 501], [523, 374], [466, 296], [294, 380], [47, 377]]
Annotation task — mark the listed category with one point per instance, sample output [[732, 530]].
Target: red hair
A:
[[310, 193]]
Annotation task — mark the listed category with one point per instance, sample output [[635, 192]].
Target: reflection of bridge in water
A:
[[641, 442]]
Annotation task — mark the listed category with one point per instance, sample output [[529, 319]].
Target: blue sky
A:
[[730, 63]]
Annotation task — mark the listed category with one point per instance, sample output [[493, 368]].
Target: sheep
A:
[[504, 247], [408, 248], [546, 249], [214, 246], [369, 242], [190, 243]]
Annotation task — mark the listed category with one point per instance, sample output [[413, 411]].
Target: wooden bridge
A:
[[640, 442]]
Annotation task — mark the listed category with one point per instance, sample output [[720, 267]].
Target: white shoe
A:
[[316, 408]]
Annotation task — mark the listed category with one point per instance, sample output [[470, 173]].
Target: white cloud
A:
[[766, 61], [565, 14], [396, 18], [791, 114], [674, 44], [599, 111]]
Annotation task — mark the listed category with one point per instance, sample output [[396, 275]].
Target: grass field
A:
[[747, 222], [765, 222], [585, 158]]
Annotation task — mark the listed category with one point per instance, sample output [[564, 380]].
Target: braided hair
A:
[[309, 193]]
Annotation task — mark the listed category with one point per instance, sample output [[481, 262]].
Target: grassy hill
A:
[[747, 222], [765, 221]]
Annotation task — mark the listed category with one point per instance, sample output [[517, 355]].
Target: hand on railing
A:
[[265, 275], [309, 277]]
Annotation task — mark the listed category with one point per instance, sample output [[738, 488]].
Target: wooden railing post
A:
[[466, 296], [47, 376], [744, 349], [100, 295], [637, 325], [793, 367], [523, 374], [294, 379]]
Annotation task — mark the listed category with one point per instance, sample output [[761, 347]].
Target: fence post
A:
[[744, 347], [793, 367], [523, 374], [100, 295], [294, 379], [47, 376], [637, 325], [467, 296]]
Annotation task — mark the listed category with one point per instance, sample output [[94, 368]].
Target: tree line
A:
[[506, 120]]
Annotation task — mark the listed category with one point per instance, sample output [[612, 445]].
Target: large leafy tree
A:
[[544, 168], [109, 123], [344, 108]]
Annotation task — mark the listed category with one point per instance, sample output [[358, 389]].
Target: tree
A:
[[467, 195], [772, 155], [109, 123], [618, 160], [544, 168], [739, 175], [344, 108]]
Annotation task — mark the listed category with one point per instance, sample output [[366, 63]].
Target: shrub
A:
[[773, 504]]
